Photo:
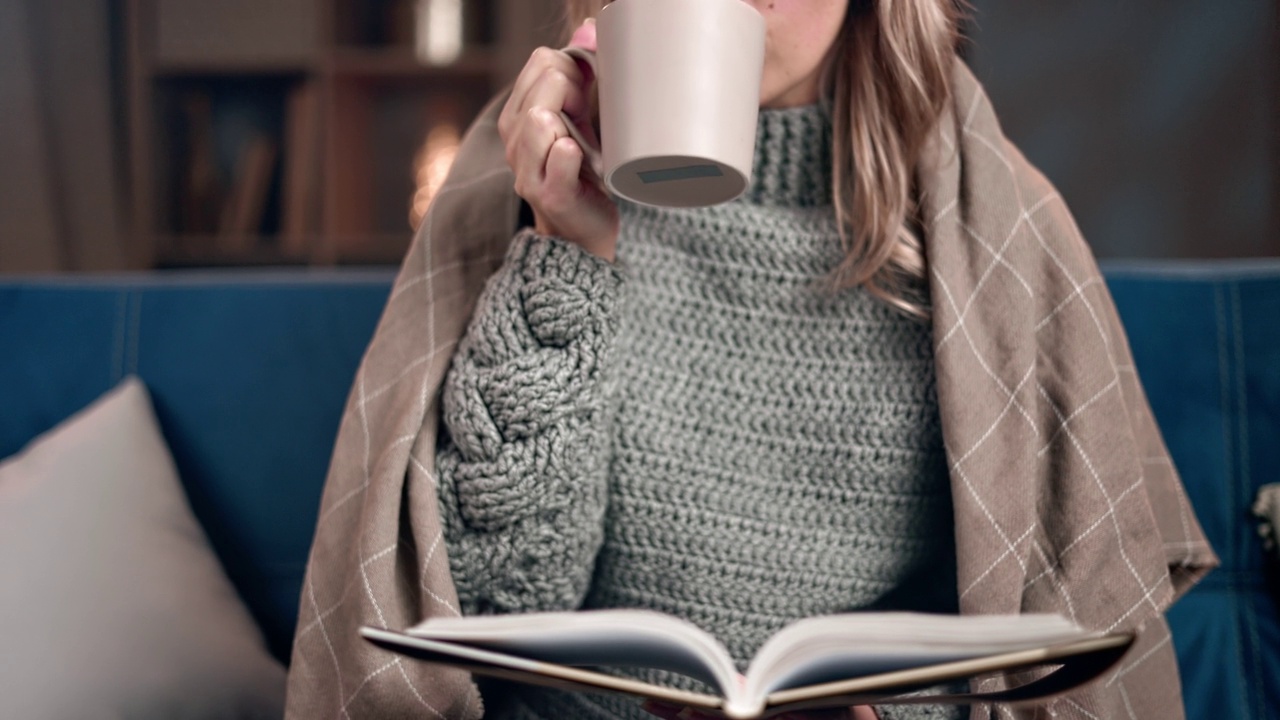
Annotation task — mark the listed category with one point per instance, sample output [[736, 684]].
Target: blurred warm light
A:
[[438, 34], [430, 167]]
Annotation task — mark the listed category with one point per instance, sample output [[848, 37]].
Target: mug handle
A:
[[594, 158]]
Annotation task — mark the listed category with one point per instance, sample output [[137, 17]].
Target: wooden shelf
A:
[[315, 139], [216, 68], [218, 251], [372, 249], [477, 64]]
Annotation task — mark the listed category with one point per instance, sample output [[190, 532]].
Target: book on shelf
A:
[[815, 663], [246, 202], [299, 187], [199, 185]]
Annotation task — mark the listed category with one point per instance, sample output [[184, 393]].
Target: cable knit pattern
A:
[[771, 447], [522, 455]]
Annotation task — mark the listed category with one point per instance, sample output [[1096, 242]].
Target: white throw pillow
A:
[[112, 604]]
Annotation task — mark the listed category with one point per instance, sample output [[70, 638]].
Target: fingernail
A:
[[584, 36]]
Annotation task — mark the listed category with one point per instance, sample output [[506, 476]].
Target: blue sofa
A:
[[249, 373]]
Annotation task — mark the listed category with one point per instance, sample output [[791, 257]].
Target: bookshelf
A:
[[306, 132]]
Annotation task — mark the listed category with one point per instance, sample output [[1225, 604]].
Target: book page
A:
[[611, 638], [534, 672], [1075, 663], [852, 645]]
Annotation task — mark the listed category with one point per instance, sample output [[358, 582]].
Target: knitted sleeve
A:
[[522, 452]]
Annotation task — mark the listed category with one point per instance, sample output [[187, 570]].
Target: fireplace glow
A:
[[431, 166]]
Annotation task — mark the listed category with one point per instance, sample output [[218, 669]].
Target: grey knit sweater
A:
[[704, 428]]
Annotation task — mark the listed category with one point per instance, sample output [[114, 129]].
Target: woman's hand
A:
[[547, 162], [675, 712]]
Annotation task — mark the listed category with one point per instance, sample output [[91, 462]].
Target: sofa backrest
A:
[[1206, 341], [250, 373]]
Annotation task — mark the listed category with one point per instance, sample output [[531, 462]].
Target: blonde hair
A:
[[888, 79]]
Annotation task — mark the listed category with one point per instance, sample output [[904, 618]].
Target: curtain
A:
[[60, 169]]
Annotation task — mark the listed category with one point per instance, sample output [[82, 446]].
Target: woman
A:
[[699, 463], [887, 377]]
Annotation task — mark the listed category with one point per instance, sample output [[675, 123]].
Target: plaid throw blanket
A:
[[1065, 497]]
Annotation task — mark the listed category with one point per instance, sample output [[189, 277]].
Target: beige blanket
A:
[[1065, 498]]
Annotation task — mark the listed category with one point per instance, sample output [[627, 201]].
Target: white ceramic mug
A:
[[679, 92]]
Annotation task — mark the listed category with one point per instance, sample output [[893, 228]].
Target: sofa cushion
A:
[[112, 604], [248, 371]]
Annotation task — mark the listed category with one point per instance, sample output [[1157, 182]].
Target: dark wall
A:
[[1156, 119]]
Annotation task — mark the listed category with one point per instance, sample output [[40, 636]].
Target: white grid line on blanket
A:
[[413, 689], [937, 218], [362, 404], [1102, 488], [378, 555], [983, 140], [354, 492], [995, 423], [404, 372], [1080, 708], [1077, 293], [372, 674], [1035, 230], [315, 622], [382, 622], [1146, 598], [437, 270], [1087, 532], [1013, 175], [1053, 580], [363, 565], [422, 468], [1010, 548], [997, 259], [1124, 695], [364, 574], [426, 563], [947, 139], [973, 109], [998, 256], [333, 655], [1119, 674], [981, 360], [1186, 544], [430, 276], [364, 426], [1115, 383]]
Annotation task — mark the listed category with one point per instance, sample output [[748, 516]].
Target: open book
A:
[[829, 661]]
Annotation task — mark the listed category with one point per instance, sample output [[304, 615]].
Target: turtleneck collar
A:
[[792, 164]]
